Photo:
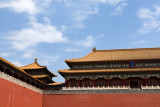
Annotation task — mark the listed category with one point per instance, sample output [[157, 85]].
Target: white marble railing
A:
[[96, 88], [19, 82], [150, 87]]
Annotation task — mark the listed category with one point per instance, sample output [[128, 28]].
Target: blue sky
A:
[[55, 30]]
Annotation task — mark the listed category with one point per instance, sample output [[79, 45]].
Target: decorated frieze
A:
[[143, 76], [132, 64]]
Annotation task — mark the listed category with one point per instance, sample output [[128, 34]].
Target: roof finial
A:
[[94, 49], [35, 59]]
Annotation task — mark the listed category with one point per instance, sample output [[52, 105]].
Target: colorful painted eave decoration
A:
[[112, 76]]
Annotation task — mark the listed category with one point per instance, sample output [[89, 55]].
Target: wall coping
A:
[[19, 82]]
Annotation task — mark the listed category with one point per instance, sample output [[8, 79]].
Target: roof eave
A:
[[76, 61]]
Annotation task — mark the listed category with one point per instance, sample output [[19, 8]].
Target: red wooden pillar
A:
[[123, 82], [145, 83], [93, 82], [65, 83], [79, 82], [108, 82]]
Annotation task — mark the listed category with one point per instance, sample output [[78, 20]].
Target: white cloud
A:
[[20, 6], [114, 2], [119, 9], [82, 15], [48, 60], [100, 36], [28, 53], [36, 33], [17, 63], [139, 42], [111, 2], [72, 50], [5, 54], [88, 42], [151, 19], [79, 15], [81, 12], [30, 7]]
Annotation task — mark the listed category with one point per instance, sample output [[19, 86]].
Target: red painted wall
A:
[[102, 100], [13, 95]]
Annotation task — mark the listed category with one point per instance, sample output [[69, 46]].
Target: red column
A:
[[108, 82], [145, 81], [93, 82], [79, 82], [65, 83], [123, 82]]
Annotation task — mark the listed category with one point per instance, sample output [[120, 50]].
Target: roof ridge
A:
[[32, 64], [119, 54], [81, 57], [131, 49]]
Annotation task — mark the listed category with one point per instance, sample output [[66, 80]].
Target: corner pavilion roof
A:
[[43, 76], [18, 68], [35, 65], [22, 70], [119, 55]]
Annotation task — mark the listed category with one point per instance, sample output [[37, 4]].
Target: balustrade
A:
[[96, 88], [150, 87]]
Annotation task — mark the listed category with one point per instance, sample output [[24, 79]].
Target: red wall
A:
[[13, 95], [102, 100]]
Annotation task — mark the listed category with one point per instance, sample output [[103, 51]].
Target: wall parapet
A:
[[106, 91], [19, 82]]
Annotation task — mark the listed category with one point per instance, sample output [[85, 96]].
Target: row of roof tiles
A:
[[120, 55]]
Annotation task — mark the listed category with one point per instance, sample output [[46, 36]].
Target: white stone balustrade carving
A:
[[96, 88], [19, 82], [150, 87]]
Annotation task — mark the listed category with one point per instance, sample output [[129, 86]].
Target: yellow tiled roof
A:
[[56, 83], [40, 76], [108, 70], [43, 76], [14, 66], [35, 65], [120, 55]]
